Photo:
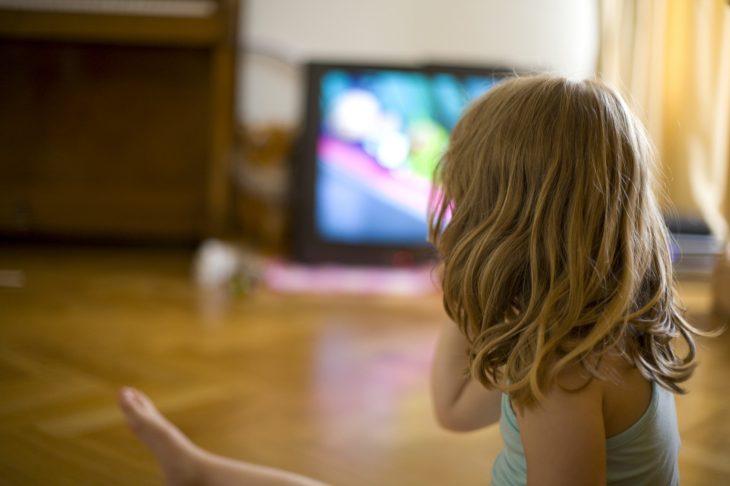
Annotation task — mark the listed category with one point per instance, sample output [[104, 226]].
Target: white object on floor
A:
[[216, 263]]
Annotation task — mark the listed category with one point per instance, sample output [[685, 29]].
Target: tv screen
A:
[[373, 137]]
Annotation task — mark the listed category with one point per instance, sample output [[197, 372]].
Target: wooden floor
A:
[[335, 388]]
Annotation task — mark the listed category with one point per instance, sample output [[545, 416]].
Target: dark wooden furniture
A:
[[116, 124]]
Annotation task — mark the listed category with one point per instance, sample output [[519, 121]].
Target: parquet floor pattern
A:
[[332, 387]]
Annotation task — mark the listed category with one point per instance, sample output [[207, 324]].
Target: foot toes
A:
[[135, 404], [128, 399]]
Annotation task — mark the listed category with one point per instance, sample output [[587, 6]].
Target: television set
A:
[[372, 137]]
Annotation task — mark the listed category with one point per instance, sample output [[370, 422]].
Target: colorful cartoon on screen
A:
[[381, 137]]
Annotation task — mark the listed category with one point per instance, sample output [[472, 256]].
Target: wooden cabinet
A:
[[116, 124]]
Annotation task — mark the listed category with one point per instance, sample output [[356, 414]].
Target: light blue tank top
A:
[[644, 454]]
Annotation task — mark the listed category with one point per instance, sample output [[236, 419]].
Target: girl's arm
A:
[[564, 438], [460, 402]]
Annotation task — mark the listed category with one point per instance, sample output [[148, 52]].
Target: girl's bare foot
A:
[[183, 463], [180, 459]]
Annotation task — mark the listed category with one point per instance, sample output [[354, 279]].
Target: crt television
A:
[[372, 137]]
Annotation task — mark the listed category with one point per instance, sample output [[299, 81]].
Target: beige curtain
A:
[[671, 59]]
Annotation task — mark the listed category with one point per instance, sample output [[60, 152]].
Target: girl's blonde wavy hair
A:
[[553, 245]]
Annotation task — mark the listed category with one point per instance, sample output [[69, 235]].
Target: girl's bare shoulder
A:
[[563, 435], [619, 398], [626, 394]]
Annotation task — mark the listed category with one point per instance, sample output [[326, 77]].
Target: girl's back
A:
[[640, 436]]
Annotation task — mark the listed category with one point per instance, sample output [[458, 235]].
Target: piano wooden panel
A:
[[116, 124]]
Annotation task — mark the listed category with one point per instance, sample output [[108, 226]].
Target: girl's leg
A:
[[184, 463]]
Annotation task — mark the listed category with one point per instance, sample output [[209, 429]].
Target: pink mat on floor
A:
[[335, 279]]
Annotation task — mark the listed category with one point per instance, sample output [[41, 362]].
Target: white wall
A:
[[558, 35]]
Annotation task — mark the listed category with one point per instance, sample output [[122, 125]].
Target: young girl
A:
[[557, 275]]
